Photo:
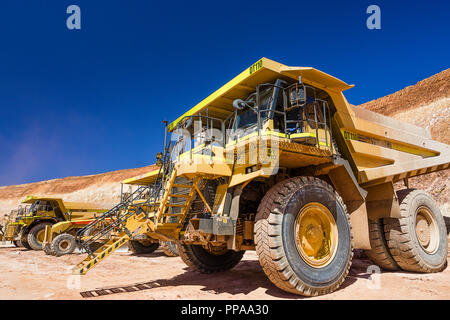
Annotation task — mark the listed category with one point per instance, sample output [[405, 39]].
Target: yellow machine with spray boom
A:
[[278, 161]]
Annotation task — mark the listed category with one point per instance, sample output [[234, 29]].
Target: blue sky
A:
[[76, 102]]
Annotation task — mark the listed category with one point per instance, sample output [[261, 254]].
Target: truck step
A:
[[168, 225], [179, 195], [177, 205], [182, 186], [90, 261]]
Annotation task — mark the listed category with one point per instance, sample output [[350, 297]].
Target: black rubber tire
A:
[[200, 260], [169, 248], [23, 240], [138, 248], [48, 249], [31, 238], [379, 254], [447, 224], [401, 235], [17, 243], [61, 239], [275, 237]]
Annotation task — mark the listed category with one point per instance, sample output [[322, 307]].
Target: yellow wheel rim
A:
[[426, 230], [40, 236], [316, 235]]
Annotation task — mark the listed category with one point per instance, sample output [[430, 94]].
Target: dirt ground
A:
[[34, 275]]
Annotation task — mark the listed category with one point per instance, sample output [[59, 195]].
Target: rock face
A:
[[101, 188], [426, 104]]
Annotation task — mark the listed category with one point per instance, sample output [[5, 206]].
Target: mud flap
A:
[[354, 198]]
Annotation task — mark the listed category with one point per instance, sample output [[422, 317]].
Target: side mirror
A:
[[159, 156], [159, 163], [187, 123], [239, 104]]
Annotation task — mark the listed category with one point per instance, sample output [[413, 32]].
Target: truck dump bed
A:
[[385, 149], [79, 210]]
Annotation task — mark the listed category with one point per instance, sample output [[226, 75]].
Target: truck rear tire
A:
[[169, 248], [48, 249], [303, 236], [16, 243], [23, 240], [202, 260], [418, 240], [379, 254], [63, 244], [138, 248], [36, 235]]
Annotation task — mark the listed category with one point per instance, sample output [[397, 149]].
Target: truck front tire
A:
[[23, 236], [169, 248], [63, 244], [303, 236], [138, 248], [202, 260], [48, 249], [36, 235]]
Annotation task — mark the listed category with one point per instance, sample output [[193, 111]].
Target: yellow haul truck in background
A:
[[278, 161], [12, 225], [47, 211], [59, 238]]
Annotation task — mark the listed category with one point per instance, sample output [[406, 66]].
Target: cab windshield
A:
[[246, 118], [41, 205]]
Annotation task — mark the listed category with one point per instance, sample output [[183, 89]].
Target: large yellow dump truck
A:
[[12, 225], [278, 161], [47, 211]]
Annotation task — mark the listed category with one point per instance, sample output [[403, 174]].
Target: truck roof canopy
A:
[[220, 102], [67, 205], [143, 179]]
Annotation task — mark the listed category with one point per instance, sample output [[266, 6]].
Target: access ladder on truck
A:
[[130, 218]]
